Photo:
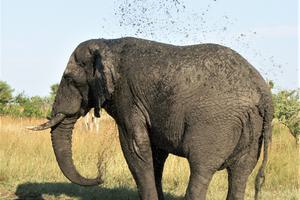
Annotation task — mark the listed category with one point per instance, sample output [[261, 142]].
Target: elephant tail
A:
[[267, 113]]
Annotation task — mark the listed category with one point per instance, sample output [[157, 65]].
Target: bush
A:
[[5, 95], [287, 110], [22, 105], [36, 107]]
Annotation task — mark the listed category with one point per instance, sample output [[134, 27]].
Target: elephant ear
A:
[[101, 76], [104, 69]]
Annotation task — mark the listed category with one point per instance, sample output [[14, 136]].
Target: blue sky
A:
[[37, 37]]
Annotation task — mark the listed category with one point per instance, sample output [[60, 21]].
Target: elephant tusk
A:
[[52, 122]]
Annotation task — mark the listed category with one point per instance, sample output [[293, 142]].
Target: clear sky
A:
[[37, 37]]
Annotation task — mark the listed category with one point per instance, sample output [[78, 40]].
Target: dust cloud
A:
[[177, 22]]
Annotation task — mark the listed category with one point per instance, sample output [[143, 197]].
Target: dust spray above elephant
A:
[[203, 102]]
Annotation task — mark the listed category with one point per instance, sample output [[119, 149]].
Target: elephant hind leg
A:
[[208, 147], [241, 168], [239, 171], [198, 184], [238, 174]]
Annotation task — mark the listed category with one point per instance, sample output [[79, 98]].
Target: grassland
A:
[[28, 169]]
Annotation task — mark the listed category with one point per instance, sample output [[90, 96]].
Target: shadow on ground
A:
[[40, 191]]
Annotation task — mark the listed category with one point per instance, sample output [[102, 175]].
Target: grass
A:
[[28, 169]]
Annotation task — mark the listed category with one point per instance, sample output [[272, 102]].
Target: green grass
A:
[[28, 168]]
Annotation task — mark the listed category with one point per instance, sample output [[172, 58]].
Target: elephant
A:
[[204, 102]]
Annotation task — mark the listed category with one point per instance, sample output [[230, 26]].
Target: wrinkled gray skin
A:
[[202, 102]]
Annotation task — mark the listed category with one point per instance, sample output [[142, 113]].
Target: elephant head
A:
[[87, 83]]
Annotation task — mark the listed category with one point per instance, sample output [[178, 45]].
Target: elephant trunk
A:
[[61, 137]]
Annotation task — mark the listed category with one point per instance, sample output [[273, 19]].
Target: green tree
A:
[[287, 111], [21, 98], [36, 107], [22, 105], [53, 91], [5, 93], [6, 96]]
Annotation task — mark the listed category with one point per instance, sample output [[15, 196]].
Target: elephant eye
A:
[[71, 80], [68, 78]]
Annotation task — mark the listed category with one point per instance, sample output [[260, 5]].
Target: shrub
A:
[[287, 110]]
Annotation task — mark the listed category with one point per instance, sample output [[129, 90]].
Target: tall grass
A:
[[28, 168]]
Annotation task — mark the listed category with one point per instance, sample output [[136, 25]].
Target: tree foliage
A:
[[5, 93], [287, 110], [21, 105], [53, 91]]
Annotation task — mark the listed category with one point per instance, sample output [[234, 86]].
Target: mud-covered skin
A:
[[203, 102]]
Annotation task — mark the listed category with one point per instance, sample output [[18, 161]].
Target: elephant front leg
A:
[[159, 158], [136, 148]]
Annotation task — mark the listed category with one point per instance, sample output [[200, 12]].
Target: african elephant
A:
[[203, 102]]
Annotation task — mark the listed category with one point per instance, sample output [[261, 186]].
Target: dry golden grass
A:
[[28, 168]]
